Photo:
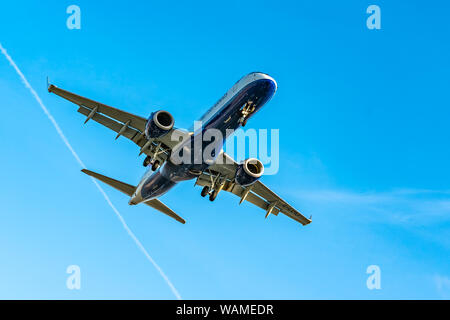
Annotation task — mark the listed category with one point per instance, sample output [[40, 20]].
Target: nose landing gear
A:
[[246, 111]]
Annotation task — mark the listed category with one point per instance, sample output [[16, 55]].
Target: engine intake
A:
[[158, 124], [249, 172]]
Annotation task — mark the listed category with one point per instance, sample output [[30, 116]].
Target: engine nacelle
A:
[[158, 124], [249, 172]]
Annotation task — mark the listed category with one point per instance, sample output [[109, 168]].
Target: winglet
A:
[[49, 86]]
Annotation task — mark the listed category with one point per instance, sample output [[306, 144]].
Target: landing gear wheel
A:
[[244, 122], [146, 161], [213, 195], [155, 165], [205, 191]]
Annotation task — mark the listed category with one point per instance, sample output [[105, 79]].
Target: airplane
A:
[[154, 137]]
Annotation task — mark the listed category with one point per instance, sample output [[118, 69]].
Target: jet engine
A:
[[158, 124], [249, 172]]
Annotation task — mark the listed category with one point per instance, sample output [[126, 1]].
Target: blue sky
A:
[[363, 119]]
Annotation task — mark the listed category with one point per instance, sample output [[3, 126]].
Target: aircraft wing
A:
[[123, 123], [258, 193]]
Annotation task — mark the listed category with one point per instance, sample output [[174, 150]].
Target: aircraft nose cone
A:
[[275, 84], [262, 75]]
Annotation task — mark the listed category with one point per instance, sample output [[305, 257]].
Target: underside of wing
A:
[[132, 120], [221, 176], [124, 124], [282, 206]]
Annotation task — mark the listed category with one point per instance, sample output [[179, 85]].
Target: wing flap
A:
[[230, 186], [259, 194], [262, 190], [124, 124], [129, 132], [251, 197], [117, 114]]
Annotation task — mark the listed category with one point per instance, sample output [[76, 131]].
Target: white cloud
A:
[[442, 286], [410, 206]]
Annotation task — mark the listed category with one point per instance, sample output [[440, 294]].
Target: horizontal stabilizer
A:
[[161, 207], [128, 189]]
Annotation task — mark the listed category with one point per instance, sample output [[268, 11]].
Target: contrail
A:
[[77, 158]]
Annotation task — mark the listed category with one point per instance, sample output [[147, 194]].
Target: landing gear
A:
[[213, 195], [155, 165], [153, 151], [205, 191], [246, 111], [214, 187], [147, 161]]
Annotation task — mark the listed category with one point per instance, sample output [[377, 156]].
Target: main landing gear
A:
[[148, 160], [205, 191], [213, 195], [213, 192], [155, 165]]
